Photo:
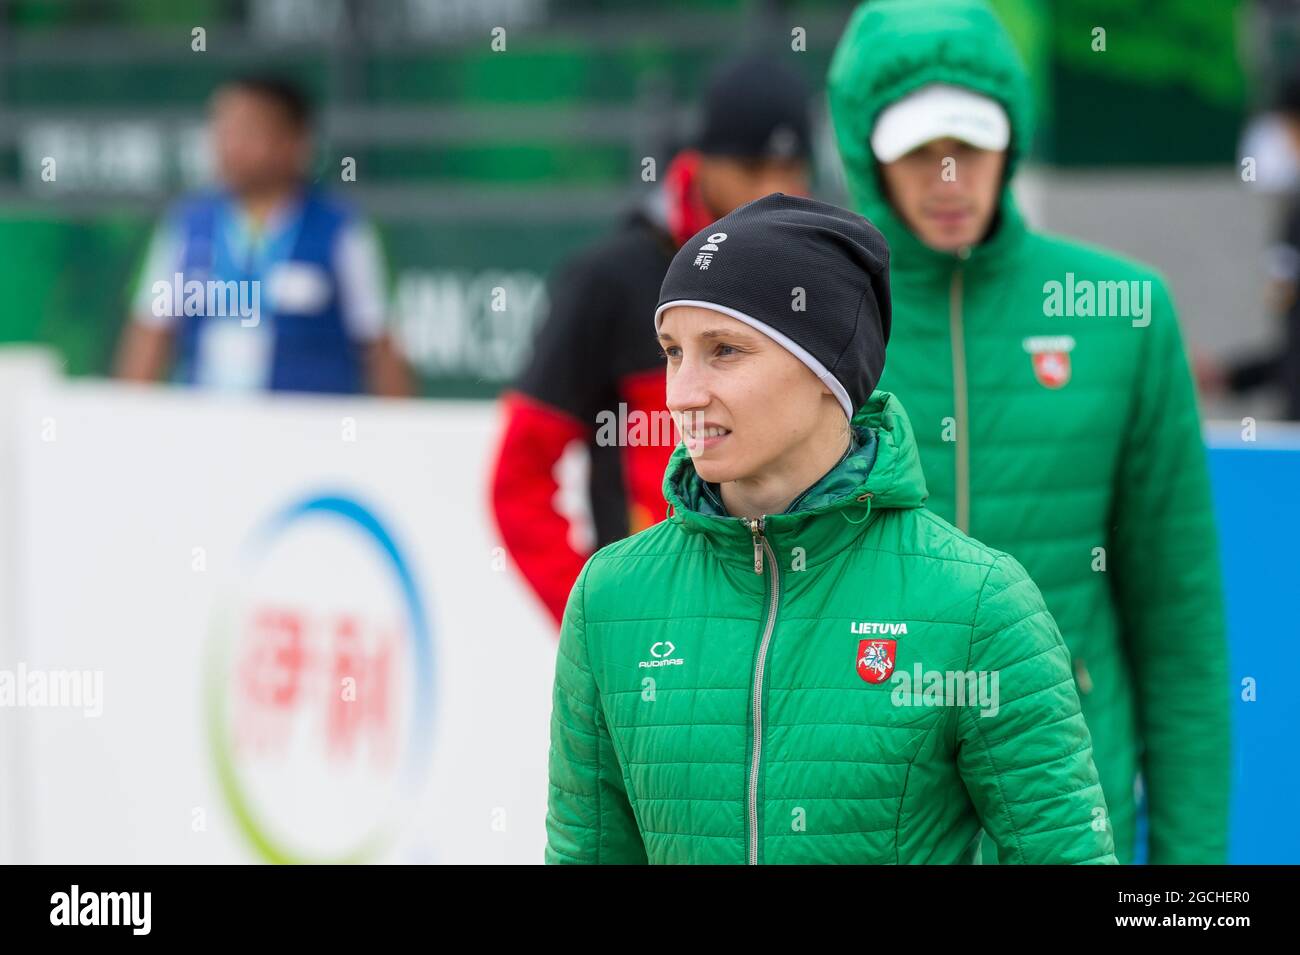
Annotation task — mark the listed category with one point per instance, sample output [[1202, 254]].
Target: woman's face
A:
[[744, 405]]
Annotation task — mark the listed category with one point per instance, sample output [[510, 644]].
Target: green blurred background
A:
[[485, 168]]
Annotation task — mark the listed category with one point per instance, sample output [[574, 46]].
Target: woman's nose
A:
[[687, 388]]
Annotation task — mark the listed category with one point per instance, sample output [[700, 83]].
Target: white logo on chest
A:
[[663, 655]]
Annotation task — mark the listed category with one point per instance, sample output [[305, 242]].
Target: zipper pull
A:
[[756, 527]]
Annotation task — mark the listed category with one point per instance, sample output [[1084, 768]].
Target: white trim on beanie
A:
[[789, 344]]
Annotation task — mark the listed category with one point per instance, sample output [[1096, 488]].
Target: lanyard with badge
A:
[[235, 350]]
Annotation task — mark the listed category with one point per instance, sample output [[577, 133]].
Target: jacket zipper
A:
[[760, 545], [960, 404]]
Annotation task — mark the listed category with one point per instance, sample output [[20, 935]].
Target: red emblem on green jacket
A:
[[876, 659]]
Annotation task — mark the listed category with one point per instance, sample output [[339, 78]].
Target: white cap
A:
[[937, 111]]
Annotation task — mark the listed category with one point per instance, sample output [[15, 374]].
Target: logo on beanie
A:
[[705, 255]]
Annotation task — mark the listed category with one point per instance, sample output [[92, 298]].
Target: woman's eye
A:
[[669, 352], [725, 350]]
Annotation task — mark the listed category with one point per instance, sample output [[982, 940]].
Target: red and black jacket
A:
[[594, 350]]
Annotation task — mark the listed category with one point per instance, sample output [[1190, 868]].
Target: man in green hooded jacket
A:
[[1049, 391]]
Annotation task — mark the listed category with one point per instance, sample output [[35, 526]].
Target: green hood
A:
[[891, 48], [885, 465]]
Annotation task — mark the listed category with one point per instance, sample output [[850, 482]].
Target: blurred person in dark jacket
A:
[[593, 367]]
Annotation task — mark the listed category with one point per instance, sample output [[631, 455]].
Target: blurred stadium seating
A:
[[485, 169]]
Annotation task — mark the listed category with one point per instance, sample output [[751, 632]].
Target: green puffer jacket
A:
[[1068, 440], [724, 692]]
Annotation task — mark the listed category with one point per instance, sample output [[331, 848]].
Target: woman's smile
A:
[[705, 438]]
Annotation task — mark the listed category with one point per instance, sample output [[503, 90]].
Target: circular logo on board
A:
[[319, 685]]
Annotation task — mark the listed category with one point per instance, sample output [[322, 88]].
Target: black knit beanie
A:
[[810, 275]]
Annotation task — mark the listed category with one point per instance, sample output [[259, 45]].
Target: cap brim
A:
[[939, 111]]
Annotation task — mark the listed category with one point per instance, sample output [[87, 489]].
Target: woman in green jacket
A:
[[803, 665]]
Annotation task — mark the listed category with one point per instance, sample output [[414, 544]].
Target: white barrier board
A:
[[274, 631]]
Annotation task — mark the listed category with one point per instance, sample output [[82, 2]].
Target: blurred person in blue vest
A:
[[264, 283]]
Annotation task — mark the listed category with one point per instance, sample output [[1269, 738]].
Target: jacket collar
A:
[[679, 206], [836, 480], [882, 472]]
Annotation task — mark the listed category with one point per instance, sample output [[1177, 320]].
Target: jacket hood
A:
[[891, 48], [885, 465]]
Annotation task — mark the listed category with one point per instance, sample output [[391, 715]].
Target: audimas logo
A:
[[662, 655], [319, 681]]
